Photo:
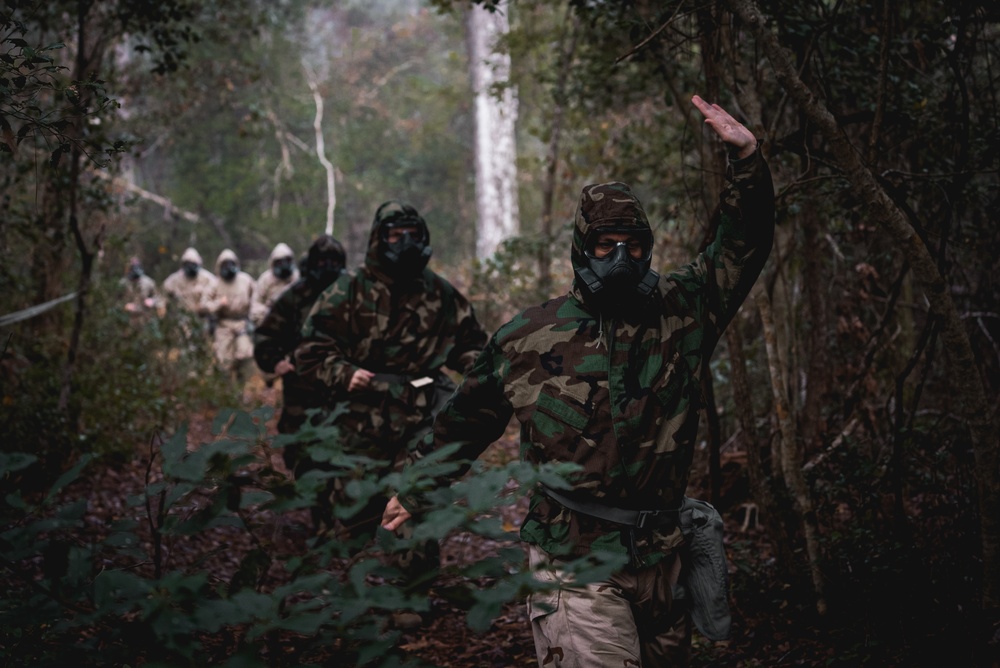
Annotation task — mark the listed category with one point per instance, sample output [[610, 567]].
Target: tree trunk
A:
[[963, 372], [86, 255], [566, 54], [496, 114], [791, 454]]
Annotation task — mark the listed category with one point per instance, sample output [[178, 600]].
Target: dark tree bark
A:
[[962, 371]]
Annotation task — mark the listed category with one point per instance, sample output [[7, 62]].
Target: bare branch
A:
[[331, 187]]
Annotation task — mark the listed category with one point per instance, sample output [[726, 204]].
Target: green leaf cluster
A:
[[116, 598]]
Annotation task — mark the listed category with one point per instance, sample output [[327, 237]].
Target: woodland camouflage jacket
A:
[[276, 338], [410, 327], [621, 400]]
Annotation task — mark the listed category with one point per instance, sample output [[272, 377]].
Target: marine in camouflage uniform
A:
[[374, 339], [278, 334], [229, 302], [608, 377]]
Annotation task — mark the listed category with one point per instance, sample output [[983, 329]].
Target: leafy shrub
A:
[[114, 596], [133, 376]]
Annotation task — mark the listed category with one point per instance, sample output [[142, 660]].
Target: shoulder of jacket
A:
[[533, 319]]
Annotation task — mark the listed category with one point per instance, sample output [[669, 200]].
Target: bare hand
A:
[[283, 367], [361, 379], [730, 130], [395, 515]]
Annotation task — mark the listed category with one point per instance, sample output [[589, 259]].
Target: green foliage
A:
[[108, 599], [508, 281], [136, 374]]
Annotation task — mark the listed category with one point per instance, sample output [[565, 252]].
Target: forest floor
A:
[[444, 639]]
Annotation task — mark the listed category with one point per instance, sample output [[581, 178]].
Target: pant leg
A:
[[664, 625], [589, 626]]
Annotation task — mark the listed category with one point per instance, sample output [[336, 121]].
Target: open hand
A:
[[730, 130]]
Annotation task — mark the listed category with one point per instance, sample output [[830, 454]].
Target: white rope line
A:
[[32, 311]]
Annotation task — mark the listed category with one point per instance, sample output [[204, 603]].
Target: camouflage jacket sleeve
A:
[[277, 335], [475, 416], [321, 356], [743, 227]]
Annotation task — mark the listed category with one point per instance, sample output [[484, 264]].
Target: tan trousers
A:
[[627, 621]]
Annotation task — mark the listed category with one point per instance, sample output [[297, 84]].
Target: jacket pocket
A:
[[555, 413]]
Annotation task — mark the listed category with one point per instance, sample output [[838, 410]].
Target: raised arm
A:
[[743, 226], [731, 131]]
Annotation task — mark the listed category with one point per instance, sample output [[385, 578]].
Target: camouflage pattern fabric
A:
[[410, 326], [276, 338], [270, 286], [620, 399]]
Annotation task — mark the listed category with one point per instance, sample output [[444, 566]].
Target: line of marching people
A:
[[228, 304]]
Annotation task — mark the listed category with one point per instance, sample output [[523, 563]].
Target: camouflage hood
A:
[[391, 214], [606, 207], [325, 246]]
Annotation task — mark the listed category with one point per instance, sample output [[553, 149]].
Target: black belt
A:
[[640, 519]]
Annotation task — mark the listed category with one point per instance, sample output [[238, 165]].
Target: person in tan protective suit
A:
[[281, 274], [186, 290], [229, 301], [188, 286], [139, 291]]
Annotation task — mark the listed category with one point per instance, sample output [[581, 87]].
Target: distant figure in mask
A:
[[188, 289], [281, 273], [140, 290], [378, 341], [607, 377], [229, 302], [278, 335]]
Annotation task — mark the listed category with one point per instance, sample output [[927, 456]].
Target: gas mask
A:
[[408, 255], [612, 278], [228, 270], [190, 269], [283, 268], [135, 272], [324, 271]]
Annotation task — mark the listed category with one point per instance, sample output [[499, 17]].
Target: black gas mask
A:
[[616, 274], [135, 272], [324, 262], [324, 271], [190, 269], [283, 267], [228, 270], [405, 253]]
